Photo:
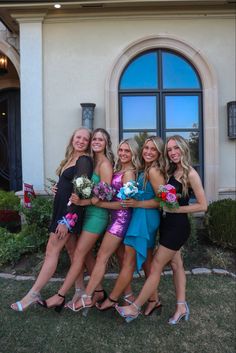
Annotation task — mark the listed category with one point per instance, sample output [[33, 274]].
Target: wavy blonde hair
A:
[[185, 160], [108, 150], [70, 149], [134, 148], [159, 162]]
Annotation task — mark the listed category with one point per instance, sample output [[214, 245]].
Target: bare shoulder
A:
[[154, 172], [105, 163], [193, 177]]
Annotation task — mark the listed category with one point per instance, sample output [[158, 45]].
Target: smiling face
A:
[[98, 142], [150, 152], [173, 151], [80, 141], [124, 153]]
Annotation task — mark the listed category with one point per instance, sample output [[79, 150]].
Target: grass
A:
[[211, 328]]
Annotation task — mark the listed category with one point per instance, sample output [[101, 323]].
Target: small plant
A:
[[220, 222]]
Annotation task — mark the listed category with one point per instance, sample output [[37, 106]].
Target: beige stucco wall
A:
[[79, 55]]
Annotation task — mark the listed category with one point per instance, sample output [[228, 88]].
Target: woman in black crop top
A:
[[174, 229]]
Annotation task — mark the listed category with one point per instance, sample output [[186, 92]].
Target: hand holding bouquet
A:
[[167, 196], [129, 190], [82, 187], [104, 191]]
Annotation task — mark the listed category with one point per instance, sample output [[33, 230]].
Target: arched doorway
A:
[[10, 130]]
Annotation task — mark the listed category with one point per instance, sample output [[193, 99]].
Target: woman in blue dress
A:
[[141, 234]]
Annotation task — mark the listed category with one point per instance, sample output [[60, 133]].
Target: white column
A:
[[31, 81]]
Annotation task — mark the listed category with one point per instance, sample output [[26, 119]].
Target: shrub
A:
[[40, 212], [220, 222], [9, 206], [34, 233], [9, 201]]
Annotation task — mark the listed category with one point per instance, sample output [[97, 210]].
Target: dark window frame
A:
[[160, 94]]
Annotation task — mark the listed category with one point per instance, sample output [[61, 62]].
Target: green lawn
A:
[[211, 328]]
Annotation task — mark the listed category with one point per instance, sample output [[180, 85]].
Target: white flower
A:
[[79, 182], [87, 191]]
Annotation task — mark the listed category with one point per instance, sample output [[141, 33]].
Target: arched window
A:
[[160, 93]]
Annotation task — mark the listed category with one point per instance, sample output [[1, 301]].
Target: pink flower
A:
[[72, 223], [171, 197], [68, 216], [169, 187]]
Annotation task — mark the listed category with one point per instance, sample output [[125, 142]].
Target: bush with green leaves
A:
[[220, 222], [9, 201], [40, 212], [33, 235], [9, 207]]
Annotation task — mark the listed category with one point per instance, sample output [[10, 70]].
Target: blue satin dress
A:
[[142, 230]]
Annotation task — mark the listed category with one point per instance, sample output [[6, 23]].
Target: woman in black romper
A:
[[77, 162], [174, 230]]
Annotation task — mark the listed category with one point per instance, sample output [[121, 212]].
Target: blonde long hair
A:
[[70, 149], [108, 150], [134, 148], [185, 161], [159, 162]]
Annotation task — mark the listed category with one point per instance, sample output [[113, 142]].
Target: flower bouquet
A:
[[129, 190], [82, 187], [104, 191], [167, 196]]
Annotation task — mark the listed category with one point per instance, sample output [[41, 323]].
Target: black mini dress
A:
[[83, 166], [175, 227]]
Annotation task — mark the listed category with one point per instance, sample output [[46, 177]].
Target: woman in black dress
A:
[[77, 162], [174, 230]]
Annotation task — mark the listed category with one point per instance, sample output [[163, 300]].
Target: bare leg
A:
[[53, 249], [161, 258], [128, 293], [153, 301], [70, 247], [179, 278], [84, 245], [125, 277], [109, 244]]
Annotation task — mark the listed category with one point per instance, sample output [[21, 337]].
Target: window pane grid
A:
[[175, 110]]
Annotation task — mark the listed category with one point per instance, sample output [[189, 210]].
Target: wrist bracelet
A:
[[64, 221]]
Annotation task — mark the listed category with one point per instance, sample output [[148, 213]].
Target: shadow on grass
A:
[[211, 328]]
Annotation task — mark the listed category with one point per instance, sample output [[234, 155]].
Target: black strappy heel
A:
[[100, 301], [114, 302], [57, 308]]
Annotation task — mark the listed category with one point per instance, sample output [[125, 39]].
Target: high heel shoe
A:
[[58, 308], [77, 295], [158, 307], [114, 302], [35, 297], [127, 296], [185, 315], [128, 317], [100, 301]]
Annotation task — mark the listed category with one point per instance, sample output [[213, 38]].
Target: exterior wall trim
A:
[[11, 53], [210, 98]]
